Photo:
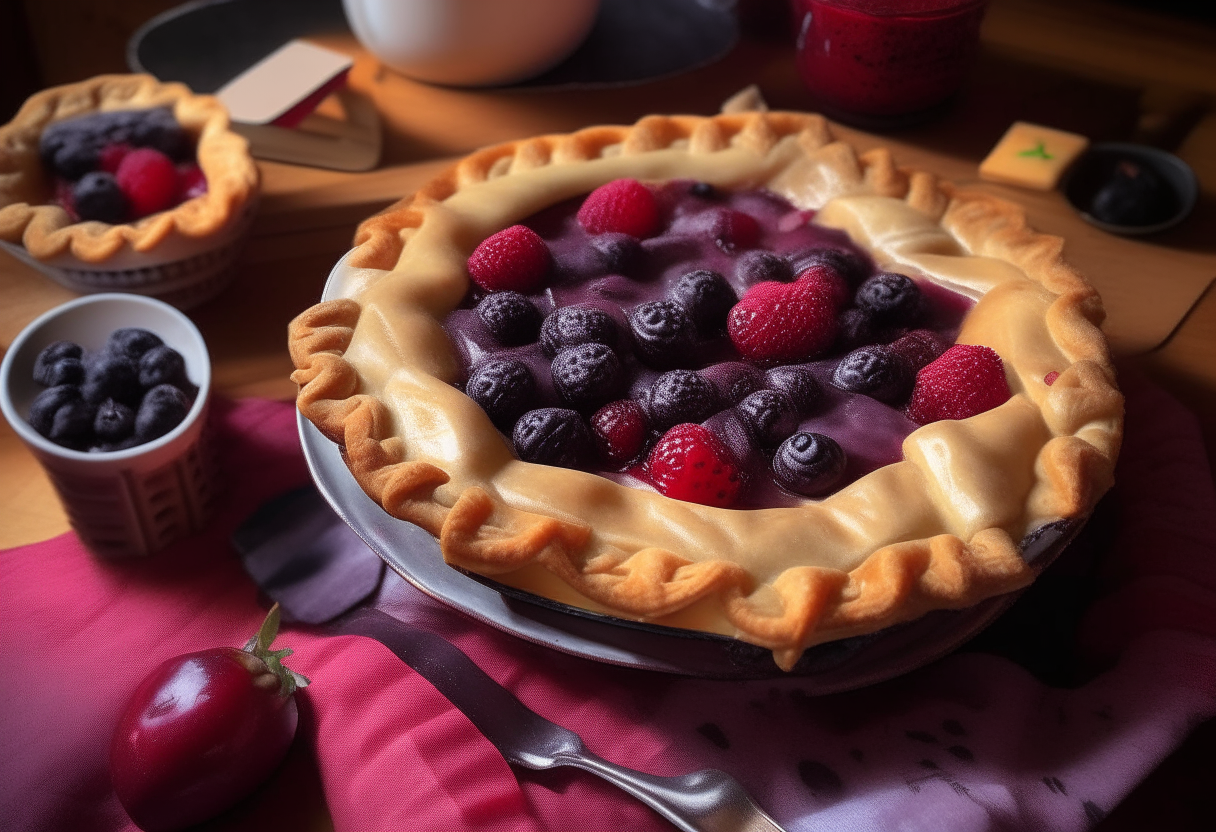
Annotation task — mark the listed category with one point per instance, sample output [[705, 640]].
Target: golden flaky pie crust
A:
[[28, 218], [938, 530]]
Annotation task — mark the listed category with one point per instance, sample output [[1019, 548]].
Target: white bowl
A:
[[134, 501], [471, 42]]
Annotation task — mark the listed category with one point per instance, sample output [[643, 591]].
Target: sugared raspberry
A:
[[625, 206], [690, 463], [620, 430], [679, 396], [782, 322], [515, 259], [148, 179], [826, 280], [809, 464], [966, 380]]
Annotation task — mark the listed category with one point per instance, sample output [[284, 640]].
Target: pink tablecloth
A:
[[976, 741]]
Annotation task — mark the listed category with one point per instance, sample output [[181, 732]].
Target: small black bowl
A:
[[1131, 188]]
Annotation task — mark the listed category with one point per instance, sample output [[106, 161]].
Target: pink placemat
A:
[[1046, 721]]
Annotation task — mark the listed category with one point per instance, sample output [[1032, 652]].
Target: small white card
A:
[[286, 85]]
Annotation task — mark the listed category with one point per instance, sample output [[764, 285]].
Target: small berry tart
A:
[[720, 374], [122, 183]]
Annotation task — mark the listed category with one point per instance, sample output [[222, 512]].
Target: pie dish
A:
[[180, 255], [939, 529]]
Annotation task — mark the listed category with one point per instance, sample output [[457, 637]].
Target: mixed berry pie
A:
[[717, 373], [120, 173]]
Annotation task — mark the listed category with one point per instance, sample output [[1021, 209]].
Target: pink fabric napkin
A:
[[1047, 721]]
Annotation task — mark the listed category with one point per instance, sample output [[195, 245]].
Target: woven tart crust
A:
[[938, 530], [28, 218]]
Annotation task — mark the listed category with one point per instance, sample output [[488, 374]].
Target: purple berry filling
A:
[[650, 305]]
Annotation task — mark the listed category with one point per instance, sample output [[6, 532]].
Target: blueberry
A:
[[809, 464], [617, 253], [504, 388], [876, 372], [799, 384], [552, 436], [855, 328], [851, 266], [891, 298], [707, 298], [662, 333], [163, 408], [98, 197], [163, 365], [132, 341], [512, 319], [734, 380], [1134, 195], [570, 326], [702, 190], [760, 266], [47, 403], [769, 416], [46, 364], [111, 376], [679, 396], [587, 375], [114, 422], [72, 425]]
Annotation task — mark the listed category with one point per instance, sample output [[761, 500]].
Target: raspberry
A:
[[587, 375], [964, 381], [759, 266], [191, 181], [512, 319], [552, 436], [809, 464], [873, 371], [515, 258], [663, 333], [769, 416], [891, 298], [98, 196], [148, 180], [503, 388], [620, 431], [733, 230], [625, 206], [111, 156], [782, 322], [690, 463], [1050, 378], [679, 396], [826, 280], [569, 326], [707, 298]]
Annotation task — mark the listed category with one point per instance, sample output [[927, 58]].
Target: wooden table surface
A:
[[1110, 72]]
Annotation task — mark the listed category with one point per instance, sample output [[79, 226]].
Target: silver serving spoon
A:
[[704, 801]]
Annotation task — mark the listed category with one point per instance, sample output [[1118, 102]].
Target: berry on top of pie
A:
[[759, 386]]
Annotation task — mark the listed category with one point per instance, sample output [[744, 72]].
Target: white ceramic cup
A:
[[471, 42], [132, 502]]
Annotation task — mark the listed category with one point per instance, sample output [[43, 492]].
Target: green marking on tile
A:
[[1039, 151]]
